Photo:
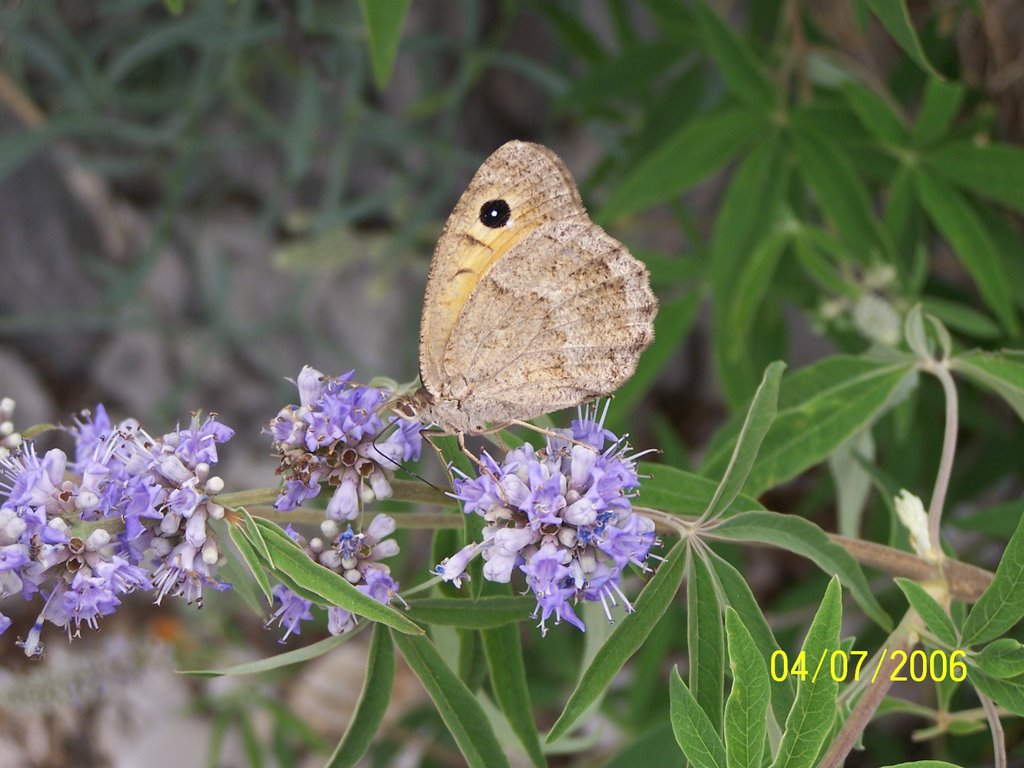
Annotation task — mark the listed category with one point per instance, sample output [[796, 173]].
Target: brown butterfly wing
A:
[[538, 189], [562, 318]]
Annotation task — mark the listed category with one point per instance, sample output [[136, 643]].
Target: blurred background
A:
[[197, 201]]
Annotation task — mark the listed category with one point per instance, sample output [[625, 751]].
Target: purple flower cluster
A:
[[561, 515], [356, 557], [56, 519], [332, 437]]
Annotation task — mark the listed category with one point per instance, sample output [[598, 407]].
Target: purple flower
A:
[[562, 516], [354, 555], [335, 435], [293, 611], [157, 494]]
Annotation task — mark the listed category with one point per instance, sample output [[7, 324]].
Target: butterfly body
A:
[[530, 307]]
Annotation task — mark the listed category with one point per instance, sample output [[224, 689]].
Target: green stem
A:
[[996, 727]]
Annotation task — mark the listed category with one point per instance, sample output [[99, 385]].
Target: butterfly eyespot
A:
[[495, 214]]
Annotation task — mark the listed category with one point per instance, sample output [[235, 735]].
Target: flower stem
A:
[[996, 726], [941, 371]]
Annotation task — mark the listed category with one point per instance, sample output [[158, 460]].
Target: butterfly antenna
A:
[[388, 461]]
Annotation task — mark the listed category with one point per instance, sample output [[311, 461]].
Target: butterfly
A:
[[530, 307]]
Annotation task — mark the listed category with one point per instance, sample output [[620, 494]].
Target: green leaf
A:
[[626, 76], [681, 492], [683, 160], [812, 714], [705, 641], [804, 538], [962, 317], [941, 103], [252, 560], [508, 681], [1000, 606], [741, 599], [842, 195], [743, 258], [875, 113], [331, 588], [1001, 658], [992, 171], [384, 20], [934, 617], [694, 732], [469, 613], [896, 19], [746, 711], [820, 408], [627, 637], [649, 748], [673, 322], [174, 7], [373, 702], [759, 419], [956, 220], [274, 662], [924, 764], [1001, 372], [455, 703], [735, 59], [1006, 692], [852, 481]]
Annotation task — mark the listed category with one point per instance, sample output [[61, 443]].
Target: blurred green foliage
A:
[[797, 170]]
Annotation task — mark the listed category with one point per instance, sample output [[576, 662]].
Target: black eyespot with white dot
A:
[[495, 214]]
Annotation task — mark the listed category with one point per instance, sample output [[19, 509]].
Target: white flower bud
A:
[[330, 559], [330, 529], [911, 513], [210, 553], [97, 539], [352, 576], [216, 511], [214, 485]]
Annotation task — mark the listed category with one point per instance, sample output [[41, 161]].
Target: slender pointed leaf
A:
[[958, 223], [759, 419], [1000, 606], [814, 709], [331, 588], [457, 706], [1001, 372], [746, 710], [627, 637], [373, 701], [274, 662], [934, 617], [686, 158], [992, 171], [735, 60], [693, 731], [896, 19], [469, 613], [683, 493], [741, 599], [508, 681], [252, 560], [705, 641], [941, 103], [804, 538], [1007, 692], [1001, 658], [384, 20]]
